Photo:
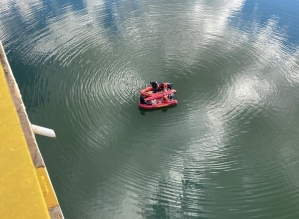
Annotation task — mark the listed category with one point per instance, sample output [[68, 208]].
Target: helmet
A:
[[169, 86]]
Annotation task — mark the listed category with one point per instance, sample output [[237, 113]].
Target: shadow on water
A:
[[163, 110], [162, 207]]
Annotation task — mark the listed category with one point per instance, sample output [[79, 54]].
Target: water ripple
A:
[[227, 150]]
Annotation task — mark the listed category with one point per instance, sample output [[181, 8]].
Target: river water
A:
[[228, 150]]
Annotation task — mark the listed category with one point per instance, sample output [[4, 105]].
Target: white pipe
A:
[[43, 131]]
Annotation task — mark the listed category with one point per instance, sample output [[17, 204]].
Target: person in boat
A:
[[169, 86], [171, 96], [143, 101], [162, 87], [154, 86], [165, 99], [154, 101]]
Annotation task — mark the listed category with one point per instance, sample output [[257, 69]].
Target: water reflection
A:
[[261, 13], [111, 14]]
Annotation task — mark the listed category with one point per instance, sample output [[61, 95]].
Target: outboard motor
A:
[[169, 86]]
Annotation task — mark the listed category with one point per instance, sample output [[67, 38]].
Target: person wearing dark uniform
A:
[[154, 86], [142, 100]]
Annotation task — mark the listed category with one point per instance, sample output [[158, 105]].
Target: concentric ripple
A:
[[227, 150]]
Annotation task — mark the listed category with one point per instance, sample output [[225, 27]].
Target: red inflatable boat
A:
[[148, 91], [158, 102]]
